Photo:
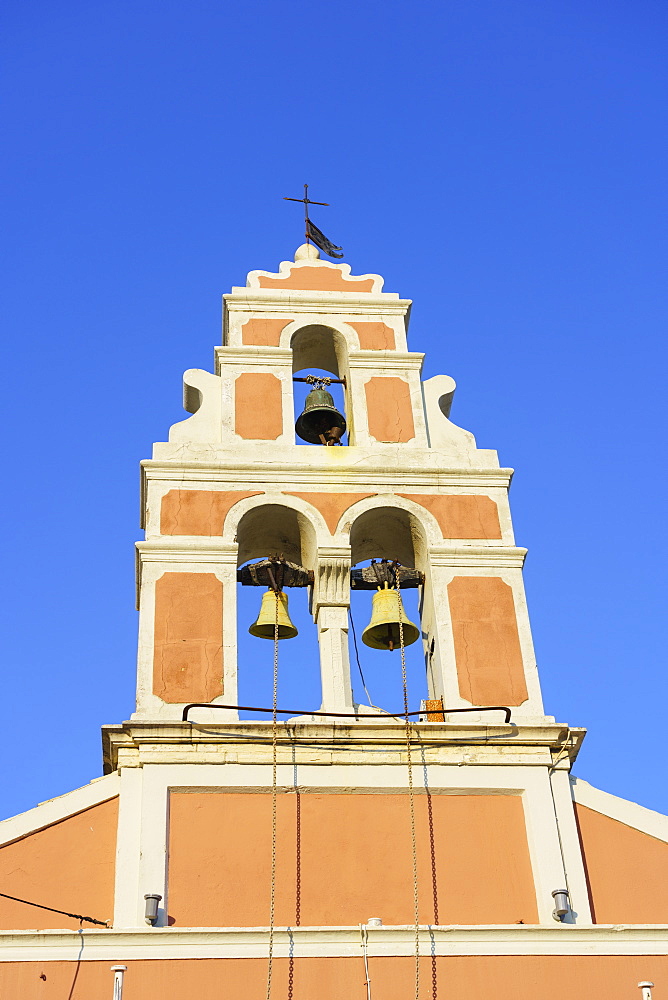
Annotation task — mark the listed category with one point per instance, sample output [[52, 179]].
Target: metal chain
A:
[[274, 754], [298, 890], [434, 888], [298, 887], [411, 792]]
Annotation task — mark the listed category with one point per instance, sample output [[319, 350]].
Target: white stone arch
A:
[[322, 343], [312, 527], [349, 335], [422, 524]]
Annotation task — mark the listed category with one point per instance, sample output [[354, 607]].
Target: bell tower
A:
[[394, 480], [446, 852]]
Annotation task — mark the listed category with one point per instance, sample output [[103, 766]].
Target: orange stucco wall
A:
[[332, 505], [490, 670], [258, 406], [355, 859], [461, 515], [627, 871], [513, 977], [197, 512], [390, 413], [69, 866], [375, 336], [263, 332], [317, 278], [188, 644]]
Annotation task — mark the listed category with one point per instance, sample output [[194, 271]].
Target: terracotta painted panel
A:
[[69, 866], [490, 670], [627, 871], [262, 332], [390, 412], [332, 505], [187, 659], [461, 515], [316, 278], [197, 512], [358, 846], [513, 977], [375, 336], [258, 406]]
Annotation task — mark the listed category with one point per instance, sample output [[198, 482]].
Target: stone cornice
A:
[[371, 471], [498, 556], [296, 301], [379, 742]]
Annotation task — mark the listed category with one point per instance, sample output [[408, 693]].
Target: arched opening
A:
[[394, 534], [320, 351], [264, 531]]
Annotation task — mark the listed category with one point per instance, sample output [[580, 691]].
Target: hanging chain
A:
[[274, 754], [434, 887], [411, 792], [298, 885]]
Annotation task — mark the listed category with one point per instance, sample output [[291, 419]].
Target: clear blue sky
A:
[[503, 164]]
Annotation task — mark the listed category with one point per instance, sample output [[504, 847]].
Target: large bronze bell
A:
[[264, 627], [320, 422], [382, 632]]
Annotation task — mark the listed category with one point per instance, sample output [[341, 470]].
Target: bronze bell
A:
[[265, 626], [382, 632], [320, 422]]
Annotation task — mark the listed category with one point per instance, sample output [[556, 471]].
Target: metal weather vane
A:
[[311, 231]]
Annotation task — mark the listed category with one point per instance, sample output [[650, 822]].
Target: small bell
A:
[[382, 632], [263, 628], [320, 422]]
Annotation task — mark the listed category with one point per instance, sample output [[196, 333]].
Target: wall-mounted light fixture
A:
[[374, 922], [646, 990], [562, 904], [151, 909]]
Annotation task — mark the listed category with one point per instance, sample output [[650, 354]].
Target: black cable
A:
[[337, 715], [357, 657], [74, 916], [78, 965]]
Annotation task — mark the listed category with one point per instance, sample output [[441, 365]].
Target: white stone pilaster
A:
[[330, 606]]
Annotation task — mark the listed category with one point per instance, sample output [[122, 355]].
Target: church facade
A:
[[345, 852]]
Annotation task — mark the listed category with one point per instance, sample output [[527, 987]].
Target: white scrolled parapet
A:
[[202, 396], [438, 393]]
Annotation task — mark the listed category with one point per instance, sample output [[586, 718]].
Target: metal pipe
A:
[[341, 715], [118, 971]]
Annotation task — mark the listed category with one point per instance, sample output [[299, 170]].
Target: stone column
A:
[[330, 603]]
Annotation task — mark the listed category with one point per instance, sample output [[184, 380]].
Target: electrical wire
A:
[[64, 913], [359, 665], [78, 965]]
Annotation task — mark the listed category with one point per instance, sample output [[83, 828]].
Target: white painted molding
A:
[[54, 810], [492, 556], [418, 467], [629, 813], [333, 942], [300, 301]]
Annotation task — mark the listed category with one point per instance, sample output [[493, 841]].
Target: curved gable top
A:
[[315, 275]]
